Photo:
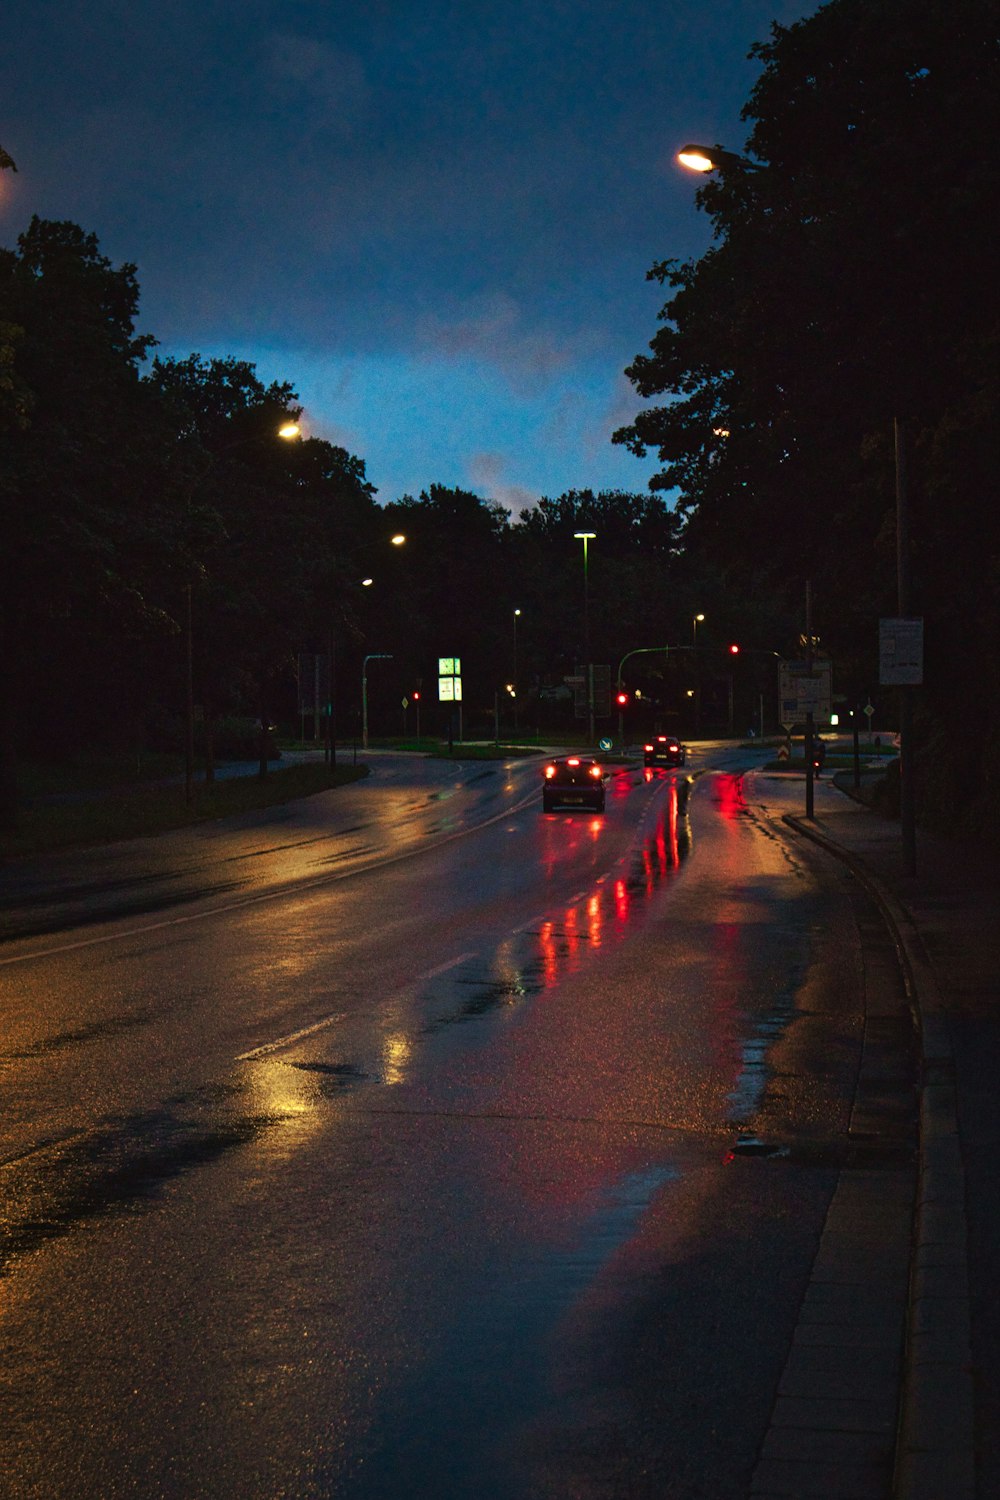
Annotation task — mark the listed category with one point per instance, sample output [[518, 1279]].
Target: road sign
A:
[[600, 688], [604, 745], [805, 690], [868, 710], [901, 653]]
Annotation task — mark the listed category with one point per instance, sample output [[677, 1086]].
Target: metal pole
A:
[[585, 537], [808, 747], [189, 701], [514, 678], [907, 799], [372, 656]]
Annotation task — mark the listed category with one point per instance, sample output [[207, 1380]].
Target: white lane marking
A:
[[293, 1036], [452, 963], [340, 1015]]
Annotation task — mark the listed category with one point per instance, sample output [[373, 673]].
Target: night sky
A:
[[433, 217]]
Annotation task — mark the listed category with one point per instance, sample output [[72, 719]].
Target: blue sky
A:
[[434, 219]]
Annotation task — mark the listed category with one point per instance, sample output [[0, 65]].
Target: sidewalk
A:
[[945, 921]]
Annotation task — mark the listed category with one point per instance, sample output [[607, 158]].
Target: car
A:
[[573, 781], [663, 750]]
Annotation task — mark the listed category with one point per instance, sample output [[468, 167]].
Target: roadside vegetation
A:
[[103, 801]]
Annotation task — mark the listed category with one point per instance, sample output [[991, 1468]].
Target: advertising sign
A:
[[449, 679]]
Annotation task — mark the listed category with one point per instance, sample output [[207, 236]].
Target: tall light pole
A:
[[585, 537], [372, 656], [288, 431], [695, 622], [517, 616]]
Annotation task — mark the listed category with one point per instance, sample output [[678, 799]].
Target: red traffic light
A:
[[622, 699], [734, 650], [416, 696]]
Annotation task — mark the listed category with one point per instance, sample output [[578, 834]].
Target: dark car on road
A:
[[663, 750], [573, 781]]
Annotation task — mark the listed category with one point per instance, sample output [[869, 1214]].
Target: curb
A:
[[936, 1432]]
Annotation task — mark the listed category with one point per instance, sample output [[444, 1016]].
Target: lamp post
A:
[[695, 622], [585, 537], [517, 616], [287, 432], [372, 656], [398, 540]]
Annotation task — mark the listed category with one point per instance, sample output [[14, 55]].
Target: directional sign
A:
[[604, 745]]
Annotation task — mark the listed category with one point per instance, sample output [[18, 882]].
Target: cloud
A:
[[316, 73], [486, 473], [494, 331]]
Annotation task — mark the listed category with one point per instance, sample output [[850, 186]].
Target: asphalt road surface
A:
[[410, 1144]]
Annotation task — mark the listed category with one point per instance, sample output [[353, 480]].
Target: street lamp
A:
[[373, 656], [713, 159], [287, 431], [331, 753], [585, 537], [513, 688], [695, 622]]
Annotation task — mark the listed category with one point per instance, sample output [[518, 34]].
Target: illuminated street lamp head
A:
[[585, 536], [366, 583], [696, 158], [713, 159], [289, 430], [699, 618], [398, 539]]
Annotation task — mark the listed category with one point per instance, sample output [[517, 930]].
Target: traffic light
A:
[[416, 695], [734, 649], [622, 700]]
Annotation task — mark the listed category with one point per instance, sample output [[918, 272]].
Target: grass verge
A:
[[141, 811]]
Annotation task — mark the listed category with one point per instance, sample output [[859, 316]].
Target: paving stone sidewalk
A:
[[945, 920]]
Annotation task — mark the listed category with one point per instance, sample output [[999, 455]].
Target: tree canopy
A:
[[850, 284]]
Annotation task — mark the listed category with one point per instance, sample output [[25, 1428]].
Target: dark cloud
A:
[[450, 179]]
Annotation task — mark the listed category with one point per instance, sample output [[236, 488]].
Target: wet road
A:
[[397, 1159]]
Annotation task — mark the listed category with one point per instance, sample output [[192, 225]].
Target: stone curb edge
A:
[[935, 1448]]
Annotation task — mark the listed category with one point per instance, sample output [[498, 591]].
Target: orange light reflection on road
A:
[[622, 903], [595, 914]]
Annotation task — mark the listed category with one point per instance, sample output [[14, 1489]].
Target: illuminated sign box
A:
[[449, 679]]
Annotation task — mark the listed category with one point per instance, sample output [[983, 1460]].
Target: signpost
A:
[[450, 691]]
